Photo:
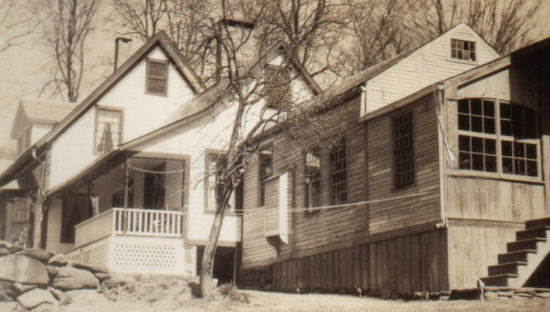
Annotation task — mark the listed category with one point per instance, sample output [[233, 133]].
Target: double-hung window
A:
[[266, 171], [338, 174], [498, 137], [313, 178], [214, 187], [403, 149], [107, 129], [157, 77]]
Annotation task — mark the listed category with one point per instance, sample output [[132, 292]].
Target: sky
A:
[[25, 67]]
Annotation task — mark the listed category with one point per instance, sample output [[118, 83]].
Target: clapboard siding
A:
[[330, 228], [427, 65], [394, 214], [404, 264]]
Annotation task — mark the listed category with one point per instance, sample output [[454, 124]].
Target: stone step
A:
[[530, 243], [536, 223], [498, 280], [539, 232], [510, 267], [520, 255]]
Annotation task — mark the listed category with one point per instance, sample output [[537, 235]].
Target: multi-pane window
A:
[[313, 178], [214, 187], [157, 77], [512, 146], [266, 171], [477, 153], [277, 86], [463, 50], [338, 176], [403, 150], [107, 129]]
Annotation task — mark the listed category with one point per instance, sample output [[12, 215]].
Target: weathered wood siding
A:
[[404, 264], [402, 213], [473, 246], [478, 195], [369, 161]]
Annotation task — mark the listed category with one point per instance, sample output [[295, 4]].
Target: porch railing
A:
[[147, 222], [121, 221]]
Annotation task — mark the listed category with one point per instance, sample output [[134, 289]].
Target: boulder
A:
[[46, 307], [52, 271], [4, 251], [102, 276], [36, 297], [22, 269], [5, 244], [69, 278], [21, 288], [8, 292], [58, 260], [90, 267], [58, 294], [8, 306], [36, 253]]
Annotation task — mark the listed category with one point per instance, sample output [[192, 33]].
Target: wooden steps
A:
[[522, 257]]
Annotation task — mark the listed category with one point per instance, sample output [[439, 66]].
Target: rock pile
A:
[[36, 279]]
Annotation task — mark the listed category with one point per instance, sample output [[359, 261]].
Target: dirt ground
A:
[[152, 294]]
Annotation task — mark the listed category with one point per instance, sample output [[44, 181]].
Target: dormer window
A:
[[463, 50], [107, 129], [157, 77]]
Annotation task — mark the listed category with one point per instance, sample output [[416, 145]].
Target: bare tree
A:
[[14, 24], [65, 25], [251, 86], [376, 30], [504, 24]]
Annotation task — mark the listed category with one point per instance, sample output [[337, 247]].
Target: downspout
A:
[[40, 200], [443, 149]]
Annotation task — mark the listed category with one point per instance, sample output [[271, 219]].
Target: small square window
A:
[[463, 50]]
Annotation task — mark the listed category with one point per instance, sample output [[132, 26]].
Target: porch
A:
[[129, 240]]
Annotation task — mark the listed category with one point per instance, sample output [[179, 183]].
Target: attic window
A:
[[107, 129], [463, 50], [157, 77]]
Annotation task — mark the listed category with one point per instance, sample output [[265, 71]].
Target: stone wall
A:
[[36, 279]]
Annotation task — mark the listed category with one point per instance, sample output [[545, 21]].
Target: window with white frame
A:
[[313, 178], [214, 187], [463, 50], [107, 129], [497, 136]]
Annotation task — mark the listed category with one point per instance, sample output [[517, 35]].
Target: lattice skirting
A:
[[136, 254], [147, 255]]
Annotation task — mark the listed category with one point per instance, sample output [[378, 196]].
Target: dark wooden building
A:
[[424, 189]]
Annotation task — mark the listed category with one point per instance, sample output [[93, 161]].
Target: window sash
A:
[[338, 173], [265, 171], [530, 168], [107, 139], [157, 72], [403, 149]]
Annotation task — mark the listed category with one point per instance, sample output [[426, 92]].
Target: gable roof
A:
[[213, 95], [159, 40], [40, 111], [44, 110]]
